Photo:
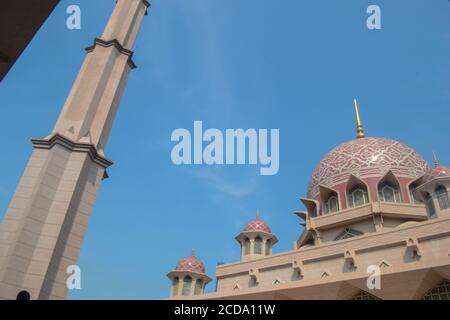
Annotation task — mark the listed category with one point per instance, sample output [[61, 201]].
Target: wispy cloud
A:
[[223, 184]]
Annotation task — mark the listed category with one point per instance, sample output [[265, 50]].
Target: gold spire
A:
[[436, 160], [193, 250], [359, 128]]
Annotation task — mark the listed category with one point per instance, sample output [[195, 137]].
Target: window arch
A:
[[258, 245], [389, 192], [176, 285], [252, 282], [246, 246], [23, 295], [331, 204], [357, 196], [187, 284], [348, 233], [442, 196], [268, 247], [413, 195], [363, 295], [198, 287], [440, 292], [430, 205]]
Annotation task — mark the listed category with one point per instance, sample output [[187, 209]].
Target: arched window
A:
[[413, 195], [198, 287], [268, 247], [357, 196], [442, 196], [253, 282], [441, 292], [388, 192], [363, 295], [176, 285], [187, 284], [430, 205], [332, 204], [23, 295], [258, 245], [348, 233], [246, 246]]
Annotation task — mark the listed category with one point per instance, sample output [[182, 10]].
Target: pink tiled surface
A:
[[192, 264], [366, 157], [257, 225], [437, 172]]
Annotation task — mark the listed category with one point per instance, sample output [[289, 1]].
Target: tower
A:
[[44, 226], [189, 277], [256, 240]]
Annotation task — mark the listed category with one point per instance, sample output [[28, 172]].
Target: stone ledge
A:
[[117, 45], [58, 139]]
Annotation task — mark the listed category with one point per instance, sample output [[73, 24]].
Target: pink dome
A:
[[364, 158], [257, 225], [192, 264], [436, 172]]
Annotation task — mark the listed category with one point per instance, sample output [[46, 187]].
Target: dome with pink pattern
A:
[[257, 225], [436, 172], [365, 158], [192, 264]]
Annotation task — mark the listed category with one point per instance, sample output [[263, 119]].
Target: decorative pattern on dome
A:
[[436, 172], [257, 225], [192, 264], [366, 157]]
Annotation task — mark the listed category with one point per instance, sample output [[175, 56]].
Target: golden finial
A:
[[436, 160], [359, 128], [257, 214], [193, 251]]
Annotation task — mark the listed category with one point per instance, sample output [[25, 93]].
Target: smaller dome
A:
[[436, 172], [192, 264], [257, 225]]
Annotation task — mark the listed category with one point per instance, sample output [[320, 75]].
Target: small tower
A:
[[256, 240], [188, 278]]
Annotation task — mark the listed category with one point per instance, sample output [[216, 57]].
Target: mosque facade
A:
[[376, 226]]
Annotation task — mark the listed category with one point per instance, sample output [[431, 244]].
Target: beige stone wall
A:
[[43, 229], [326, 263]]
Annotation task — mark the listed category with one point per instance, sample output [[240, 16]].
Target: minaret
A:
[[359, 128], [256, 240], [44, 227], [189, 277]]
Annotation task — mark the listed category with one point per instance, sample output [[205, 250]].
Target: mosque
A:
[[376, 227]]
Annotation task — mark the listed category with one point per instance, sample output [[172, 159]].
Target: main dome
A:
[[366, 157]]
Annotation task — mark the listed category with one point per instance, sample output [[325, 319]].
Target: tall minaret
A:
[[44, 227]]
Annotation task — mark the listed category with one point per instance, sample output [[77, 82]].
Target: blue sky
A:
[[293, 65]]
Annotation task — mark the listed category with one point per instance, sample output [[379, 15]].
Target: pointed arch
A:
[[258, 244], [187, 284], [357, 192], [175, 286], [348, 233], [442, 197], [330, 200], [198, 287], [389, 188], [364, 295], [247, 245], [440, 292], [414, 197], [429, 204]]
